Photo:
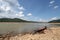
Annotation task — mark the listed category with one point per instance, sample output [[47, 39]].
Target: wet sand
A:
[[52, 33]]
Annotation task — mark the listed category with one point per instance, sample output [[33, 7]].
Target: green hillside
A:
[[15, 20], [11, 20], [55, 21]]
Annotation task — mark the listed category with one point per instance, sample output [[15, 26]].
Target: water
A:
[[22, 27]]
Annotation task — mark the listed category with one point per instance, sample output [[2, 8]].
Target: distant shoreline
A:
[[54, 23], [23, 22], [29, 22]]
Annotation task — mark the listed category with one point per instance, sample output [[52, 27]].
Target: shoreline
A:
[[50, 34], [27, 22]]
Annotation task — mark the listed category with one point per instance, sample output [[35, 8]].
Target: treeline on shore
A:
[[11, 20], [15, 20], [21, 20], [55, 21]]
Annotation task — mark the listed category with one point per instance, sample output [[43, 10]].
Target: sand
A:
[[52, 33]]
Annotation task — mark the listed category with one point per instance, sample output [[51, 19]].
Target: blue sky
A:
[[34, 10]]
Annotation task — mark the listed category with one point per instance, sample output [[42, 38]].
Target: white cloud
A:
[[54, 18], [5, 7], [0, 0], [20, 14], [29, 14], [11, 9], [21, 8], [56, 7], [51, 2], [8, 8]]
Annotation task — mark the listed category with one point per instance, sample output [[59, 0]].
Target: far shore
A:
[[54, 23], [29, 22]]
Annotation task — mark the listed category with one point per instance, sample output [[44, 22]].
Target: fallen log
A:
[[41, 30]]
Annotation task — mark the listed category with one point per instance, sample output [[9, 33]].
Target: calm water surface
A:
[[21, 27]]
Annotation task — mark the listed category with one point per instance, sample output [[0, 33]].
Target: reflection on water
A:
[[22, 27]]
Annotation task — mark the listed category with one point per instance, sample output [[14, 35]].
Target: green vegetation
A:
[[15, 20], [11, 20], [55, 21]]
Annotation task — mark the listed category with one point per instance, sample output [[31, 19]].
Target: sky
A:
[[31, 10]]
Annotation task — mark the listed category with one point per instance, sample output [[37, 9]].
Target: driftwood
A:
[[40, 30]]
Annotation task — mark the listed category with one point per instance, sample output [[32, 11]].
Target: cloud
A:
[[29, 14], [5, 7], [20, 14], [11, 9], [51, 2], [21, 8], [54, 18], [0, 0], [56, 7]]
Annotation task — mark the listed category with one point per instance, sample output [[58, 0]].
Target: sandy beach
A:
[[52, 33]]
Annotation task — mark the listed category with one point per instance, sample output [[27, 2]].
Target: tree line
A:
[[11, 20], [55, 21]]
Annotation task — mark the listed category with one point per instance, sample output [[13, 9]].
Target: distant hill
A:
[[11, 20], [55, 21], [15, 20]]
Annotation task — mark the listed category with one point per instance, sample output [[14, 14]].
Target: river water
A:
[[22, 27]]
